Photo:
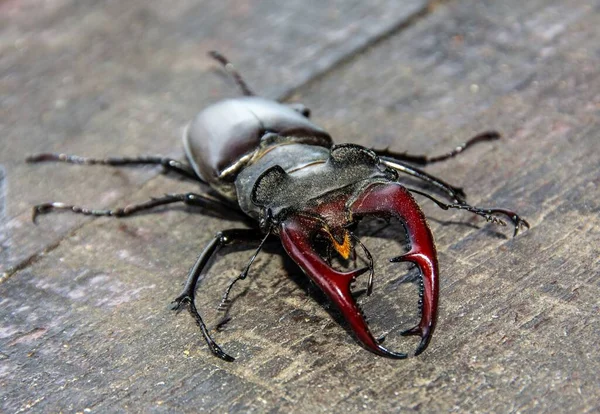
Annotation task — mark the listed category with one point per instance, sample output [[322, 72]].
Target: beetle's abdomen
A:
[[224, 137]]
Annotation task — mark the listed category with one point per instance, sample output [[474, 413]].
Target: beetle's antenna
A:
[[224, 304], [228, 66], [370, 259]]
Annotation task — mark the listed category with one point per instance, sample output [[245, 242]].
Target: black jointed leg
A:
[[241, 83], [187, 296], [455, 194], [191, 199], [228, 66], [488, 213], [425, 160], [168, 164]]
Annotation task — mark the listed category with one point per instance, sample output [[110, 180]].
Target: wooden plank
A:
[[87, 325], [125, 77]]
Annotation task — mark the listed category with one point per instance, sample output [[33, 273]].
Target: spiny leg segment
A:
[[187, 296], [228, 66], [192, 199], [168, 164], [488, 213]]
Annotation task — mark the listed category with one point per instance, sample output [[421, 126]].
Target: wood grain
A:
[[86, 324]]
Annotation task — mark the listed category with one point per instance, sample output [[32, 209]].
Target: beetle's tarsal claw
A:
[[514, 218], [36, 211], [217, 351], [519, 223], [180, 301]]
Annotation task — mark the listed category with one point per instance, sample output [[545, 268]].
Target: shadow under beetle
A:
[[270, 162]]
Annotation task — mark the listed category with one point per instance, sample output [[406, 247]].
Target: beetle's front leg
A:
[[187, 296], [490, 214]]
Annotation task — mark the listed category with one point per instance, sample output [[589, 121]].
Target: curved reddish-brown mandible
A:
[[296, 233], [387, 200], [395, 200]]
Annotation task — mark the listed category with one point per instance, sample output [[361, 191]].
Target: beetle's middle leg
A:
[[168, 164], [402, 162], [187, 296], [192, 199], [425, 160]]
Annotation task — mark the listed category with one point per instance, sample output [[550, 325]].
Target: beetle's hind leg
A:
[[426, 160], [192, 199], [490, 214], [168, 164], [241, 83], [228, 66], [187, 296]]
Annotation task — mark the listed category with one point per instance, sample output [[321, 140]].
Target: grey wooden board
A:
[[100, 78], [87, 325]]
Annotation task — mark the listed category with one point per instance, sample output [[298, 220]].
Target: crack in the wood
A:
[[400, 26], [34, 258]]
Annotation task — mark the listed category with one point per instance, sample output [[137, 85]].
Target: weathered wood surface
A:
[[84, 303]]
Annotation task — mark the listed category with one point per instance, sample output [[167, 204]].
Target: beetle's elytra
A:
[[269, 162]]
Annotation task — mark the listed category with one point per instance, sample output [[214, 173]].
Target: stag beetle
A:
[[268, 161]]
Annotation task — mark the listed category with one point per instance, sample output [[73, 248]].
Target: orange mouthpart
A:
[[343, 248]]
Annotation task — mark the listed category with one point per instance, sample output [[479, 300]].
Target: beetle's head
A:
[[314, 212]]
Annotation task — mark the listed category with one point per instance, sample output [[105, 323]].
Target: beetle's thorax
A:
[[301, 178]]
